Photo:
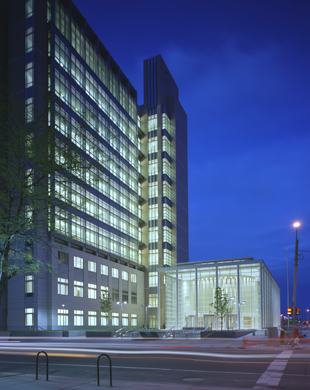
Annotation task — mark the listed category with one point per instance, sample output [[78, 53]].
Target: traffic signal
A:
[[289, 311], [298, 311]]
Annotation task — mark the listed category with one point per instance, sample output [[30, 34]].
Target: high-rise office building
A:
[[127, 214]]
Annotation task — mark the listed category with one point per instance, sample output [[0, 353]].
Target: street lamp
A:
[[146, 307], [296, 225], [228, 300], [307, 314], [63, 316], [121, 303], [237, 303]]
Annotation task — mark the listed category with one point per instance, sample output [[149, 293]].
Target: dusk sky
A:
[[242, 68]]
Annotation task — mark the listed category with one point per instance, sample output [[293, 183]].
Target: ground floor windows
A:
[[92, 318], [78, 318], [104, 319], [153, 300], [29, 316], [63, 317], [115, 319], [134, 320], [125, 320]]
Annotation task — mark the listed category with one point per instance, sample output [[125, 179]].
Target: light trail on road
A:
[[83, 351]]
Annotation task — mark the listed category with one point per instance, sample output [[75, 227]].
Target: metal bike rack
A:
[[104, 354], [37, 364]]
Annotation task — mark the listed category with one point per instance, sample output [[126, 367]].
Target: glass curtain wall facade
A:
[[189, 292]]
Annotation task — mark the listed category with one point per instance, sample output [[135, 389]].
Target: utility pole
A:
[[294, 307]]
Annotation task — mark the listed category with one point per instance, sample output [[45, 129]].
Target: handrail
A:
[[98, 380], [37, 364], [129, 330]]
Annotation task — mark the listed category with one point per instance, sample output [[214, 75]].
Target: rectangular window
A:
[[63, 287], [104, 292], [104, 319], [29, 316], [153, 279], [104, 269], [28, 8], [125, 296], [153, 300], [78, 289], [29, 75], [134, 320], [29, 40], [63, 258], [125, 320], [114, 272], [29, 288], [91, 266], [78, 318], [115, 319], [63, 317], [92, 291], [115, 294], [134, 278], [92, 318], [78, 262], [124, 275], [133, 298], [29, 110]]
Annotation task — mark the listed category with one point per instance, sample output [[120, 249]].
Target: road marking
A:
[[274, 372]]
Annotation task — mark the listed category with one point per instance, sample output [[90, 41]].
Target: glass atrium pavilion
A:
[[253, 296]]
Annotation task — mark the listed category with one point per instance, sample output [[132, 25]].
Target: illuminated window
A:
[[91, 266], [78, 318], [63, 287], [29, 40], [153, 300], [78, 262], [124, 275], [134, 278], [114, 272], [153, 277], [28, 8], [104, 292], [104, 269], [125, 320], [29, 316], [134, 320], [92, 291], [78, 289], [29, 110], [104, 319], [63, 317], [29, 75], [115, 319], [29, 288], [92, 318]]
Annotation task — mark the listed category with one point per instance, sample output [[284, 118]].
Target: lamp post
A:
[[228, 300], [296, 225], [63, 316], [121, 303], [146, 307], [307, 314], [238, 303]]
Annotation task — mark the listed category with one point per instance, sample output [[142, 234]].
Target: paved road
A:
[[196, 363]]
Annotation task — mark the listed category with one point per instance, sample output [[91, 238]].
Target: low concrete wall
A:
[[225, 334], [94, 333]]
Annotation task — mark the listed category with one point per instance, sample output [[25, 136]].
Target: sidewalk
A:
[[16, 381]]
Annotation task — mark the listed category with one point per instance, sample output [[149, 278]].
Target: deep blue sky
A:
[[242, 68]]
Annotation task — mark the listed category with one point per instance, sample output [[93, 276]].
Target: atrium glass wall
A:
[[253, 297]]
